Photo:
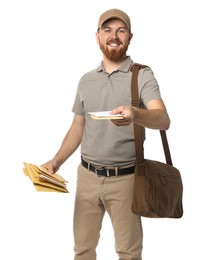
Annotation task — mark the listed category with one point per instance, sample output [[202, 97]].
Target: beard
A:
[[113, 55]]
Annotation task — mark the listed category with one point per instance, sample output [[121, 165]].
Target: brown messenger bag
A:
[[158, 186]]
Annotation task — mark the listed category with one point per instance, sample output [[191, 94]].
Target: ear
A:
[[97, 37], [130, 37]]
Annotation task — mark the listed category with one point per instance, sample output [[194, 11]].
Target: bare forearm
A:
[[69, 145], [70, 142], [153, 118]]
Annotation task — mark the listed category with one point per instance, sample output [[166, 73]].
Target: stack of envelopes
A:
[[43, 180]]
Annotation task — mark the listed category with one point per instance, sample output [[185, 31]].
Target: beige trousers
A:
[[94, 196]]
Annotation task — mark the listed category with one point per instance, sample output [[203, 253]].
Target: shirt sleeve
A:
[[78, 107], [148, 86]]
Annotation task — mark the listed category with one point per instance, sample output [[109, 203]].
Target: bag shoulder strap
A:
[[138, 130], [134, 83]]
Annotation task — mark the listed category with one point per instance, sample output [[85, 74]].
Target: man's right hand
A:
[[51, 166]]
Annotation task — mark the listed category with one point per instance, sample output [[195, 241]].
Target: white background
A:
[[45, 47]]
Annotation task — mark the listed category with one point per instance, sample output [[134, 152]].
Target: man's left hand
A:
[[127, 113]]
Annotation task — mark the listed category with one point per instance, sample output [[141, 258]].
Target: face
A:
[[114, 38]]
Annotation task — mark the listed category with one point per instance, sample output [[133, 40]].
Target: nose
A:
[[115, 34]]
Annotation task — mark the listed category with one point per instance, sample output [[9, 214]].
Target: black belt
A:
[[108, 172]]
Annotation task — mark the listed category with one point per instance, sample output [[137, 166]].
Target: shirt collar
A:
[[125, 67]]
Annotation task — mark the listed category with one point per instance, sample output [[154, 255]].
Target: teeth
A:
[[113, 44]]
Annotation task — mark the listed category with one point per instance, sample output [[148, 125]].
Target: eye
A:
[[122, 30], [107, 30]]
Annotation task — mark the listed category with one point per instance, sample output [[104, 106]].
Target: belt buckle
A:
[[97, 171], [107, 171]]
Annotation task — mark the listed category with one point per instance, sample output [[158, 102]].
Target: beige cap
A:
[[114, 13]]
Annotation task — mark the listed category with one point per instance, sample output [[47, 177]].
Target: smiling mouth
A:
[[113, 44]]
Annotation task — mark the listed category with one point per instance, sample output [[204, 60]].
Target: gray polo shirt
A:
[[104, 143]]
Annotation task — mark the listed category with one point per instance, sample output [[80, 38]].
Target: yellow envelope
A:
[[43, 181]]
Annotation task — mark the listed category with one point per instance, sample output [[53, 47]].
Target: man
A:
[[106, 172]]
